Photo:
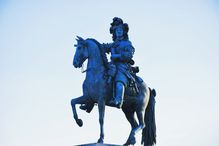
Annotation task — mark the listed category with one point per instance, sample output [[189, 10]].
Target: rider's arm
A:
[[125, 55]]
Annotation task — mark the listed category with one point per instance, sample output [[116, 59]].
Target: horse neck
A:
[[95, 62]]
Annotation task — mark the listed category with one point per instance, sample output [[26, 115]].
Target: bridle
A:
[[90, 68]]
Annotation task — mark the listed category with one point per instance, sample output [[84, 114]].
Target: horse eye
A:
[[82, 47]]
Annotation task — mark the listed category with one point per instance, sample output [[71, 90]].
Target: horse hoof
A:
[[100, 140], [79, 122], [130, 141], [133, 141]]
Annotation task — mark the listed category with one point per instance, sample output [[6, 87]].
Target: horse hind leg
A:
[[79, 100], [131, 118], [140, 111], [140, 115], [135, 129]]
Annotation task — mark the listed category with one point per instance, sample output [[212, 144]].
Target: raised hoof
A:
[[100, 140], [83, 107], [79, 122]]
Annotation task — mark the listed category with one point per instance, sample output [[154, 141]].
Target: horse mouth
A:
[[78, 64]]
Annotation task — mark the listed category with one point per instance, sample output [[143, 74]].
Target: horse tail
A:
[[149, 132]]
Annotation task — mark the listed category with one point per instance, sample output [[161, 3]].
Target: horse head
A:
[[81, 53]]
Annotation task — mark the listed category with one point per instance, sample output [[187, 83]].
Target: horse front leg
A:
[[101, 108], [79, 100]]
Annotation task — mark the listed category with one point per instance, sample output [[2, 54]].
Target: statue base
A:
[[98, 144]]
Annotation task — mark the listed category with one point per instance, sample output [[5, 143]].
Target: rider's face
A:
[[119, 32]]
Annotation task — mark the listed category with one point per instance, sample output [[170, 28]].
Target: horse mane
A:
[[102, 52]]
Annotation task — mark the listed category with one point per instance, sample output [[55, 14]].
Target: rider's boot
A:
[[118, 99]]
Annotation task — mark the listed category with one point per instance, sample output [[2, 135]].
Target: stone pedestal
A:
[[98, 144]]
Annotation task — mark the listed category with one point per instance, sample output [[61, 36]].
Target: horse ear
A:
[[81, 41], [79, 38]]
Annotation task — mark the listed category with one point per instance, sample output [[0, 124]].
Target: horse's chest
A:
[[92, 86]]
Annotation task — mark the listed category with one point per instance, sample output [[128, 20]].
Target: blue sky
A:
[[177, 50]]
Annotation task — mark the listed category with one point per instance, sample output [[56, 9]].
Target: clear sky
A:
[[177, 49]]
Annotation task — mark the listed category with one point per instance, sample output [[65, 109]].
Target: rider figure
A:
[[121, 56]]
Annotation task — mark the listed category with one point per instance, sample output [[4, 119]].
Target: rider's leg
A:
[[119, 94], [121, 81]]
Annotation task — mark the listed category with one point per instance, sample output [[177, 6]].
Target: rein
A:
[[82, 69]]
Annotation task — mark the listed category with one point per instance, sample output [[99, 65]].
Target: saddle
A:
[[133, 88]]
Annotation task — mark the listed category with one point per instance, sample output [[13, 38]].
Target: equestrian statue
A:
[[115, 83]]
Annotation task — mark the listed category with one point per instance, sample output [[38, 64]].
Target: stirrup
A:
[[115, 103]]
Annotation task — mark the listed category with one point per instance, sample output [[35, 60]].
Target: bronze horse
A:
[[97, 90]]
